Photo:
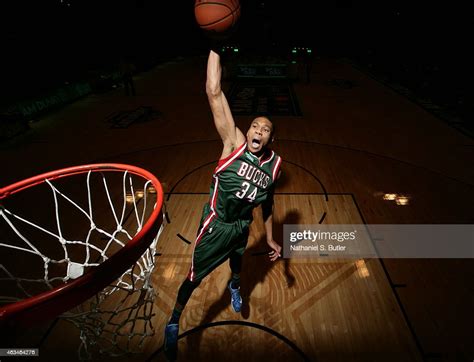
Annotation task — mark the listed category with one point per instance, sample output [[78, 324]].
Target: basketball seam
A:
[[232, 12], [225, 17]]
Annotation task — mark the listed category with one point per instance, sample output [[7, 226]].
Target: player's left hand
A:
[[276, 250]]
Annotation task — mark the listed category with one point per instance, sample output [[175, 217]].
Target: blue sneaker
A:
[[236, 299], [171, 341]]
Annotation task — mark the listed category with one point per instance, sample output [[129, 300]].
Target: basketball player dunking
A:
[[243, 179]]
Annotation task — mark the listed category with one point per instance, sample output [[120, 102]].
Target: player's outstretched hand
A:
[[276, 250]]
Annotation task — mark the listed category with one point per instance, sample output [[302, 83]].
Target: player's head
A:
[[260, 134]]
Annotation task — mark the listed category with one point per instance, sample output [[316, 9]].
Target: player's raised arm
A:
[[231, 136]]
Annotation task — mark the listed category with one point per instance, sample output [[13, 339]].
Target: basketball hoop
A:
[[99, 274]]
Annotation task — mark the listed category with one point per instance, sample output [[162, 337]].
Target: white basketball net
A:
[[117, 320]]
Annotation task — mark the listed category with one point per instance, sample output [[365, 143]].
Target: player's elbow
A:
[[213, 89]]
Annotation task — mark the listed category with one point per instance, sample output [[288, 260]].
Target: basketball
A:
[[217, 16]]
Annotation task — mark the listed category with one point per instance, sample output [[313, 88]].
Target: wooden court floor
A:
[[349, 148]]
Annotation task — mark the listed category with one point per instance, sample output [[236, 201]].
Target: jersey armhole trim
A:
[[276, 167], [225, 162]]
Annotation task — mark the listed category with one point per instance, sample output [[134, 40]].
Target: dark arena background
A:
[[373, 108]]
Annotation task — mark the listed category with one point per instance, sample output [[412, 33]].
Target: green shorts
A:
[[216, 241]]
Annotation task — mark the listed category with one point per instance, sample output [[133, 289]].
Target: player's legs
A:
[[209, 253], [172, 328], [213, 245], [184, 294], [235, 263]]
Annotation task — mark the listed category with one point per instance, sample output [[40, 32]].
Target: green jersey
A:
[[241, 182]]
